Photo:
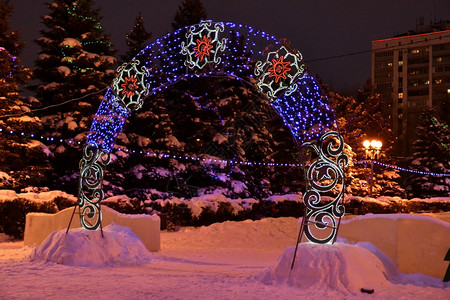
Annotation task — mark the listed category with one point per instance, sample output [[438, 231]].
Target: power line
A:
[[367, 51], [54, 105], [338, 56]]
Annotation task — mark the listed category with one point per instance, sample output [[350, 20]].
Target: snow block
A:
[[416, 244], [38, 226]]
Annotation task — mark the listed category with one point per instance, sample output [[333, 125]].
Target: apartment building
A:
[[412, 72]]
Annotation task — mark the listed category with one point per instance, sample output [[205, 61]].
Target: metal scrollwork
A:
[[325, 176], [92, 167]]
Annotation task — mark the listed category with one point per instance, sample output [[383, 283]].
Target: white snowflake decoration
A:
[[129, 86], [279, 72], [203, 44]]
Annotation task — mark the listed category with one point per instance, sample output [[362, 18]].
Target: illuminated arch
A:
[[244, 53]]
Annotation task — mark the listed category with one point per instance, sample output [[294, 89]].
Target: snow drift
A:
[[119, 247], [342, 267]]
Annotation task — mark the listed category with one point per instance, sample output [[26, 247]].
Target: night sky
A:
[[319, 28]]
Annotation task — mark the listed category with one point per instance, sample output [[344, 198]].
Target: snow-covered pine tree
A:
[[74, 66], [136, 39], [189, 12], [23, 161], [225, 119], [430, 154]]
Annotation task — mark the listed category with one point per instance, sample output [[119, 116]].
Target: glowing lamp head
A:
[[373, 144], [376, 144]]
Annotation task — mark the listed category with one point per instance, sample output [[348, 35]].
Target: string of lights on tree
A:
[[13, 66], [436, 122], [72, 11], [200, 158]]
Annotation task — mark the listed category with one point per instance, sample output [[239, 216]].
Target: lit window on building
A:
[[400, 95], [415, 51], [438, 81]]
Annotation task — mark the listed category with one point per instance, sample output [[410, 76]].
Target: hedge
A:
[[175, 214]]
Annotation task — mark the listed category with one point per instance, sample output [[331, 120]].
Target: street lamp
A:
[[372, 148]]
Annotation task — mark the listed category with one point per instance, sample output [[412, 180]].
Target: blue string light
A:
[[13, 61], [403, 169], [185, 157], [108, 123], [238, 47]]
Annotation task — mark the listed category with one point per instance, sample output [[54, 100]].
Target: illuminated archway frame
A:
[[243, 53]]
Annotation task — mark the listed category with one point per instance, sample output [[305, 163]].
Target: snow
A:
[[108, 59], [398, 216], [339, 266], [119, 247], [63, 70], [287, 197], [4, 176], [70, 42], [230, 260], [212, 201], [72, 125], [51, 86], [36, 143], [9, 195], [219, 138]]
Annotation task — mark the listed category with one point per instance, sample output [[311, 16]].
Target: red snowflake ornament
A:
[[279, 69], [203, 47], [129, 86]]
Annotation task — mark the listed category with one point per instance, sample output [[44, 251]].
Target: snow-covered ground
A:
[[230, 260]]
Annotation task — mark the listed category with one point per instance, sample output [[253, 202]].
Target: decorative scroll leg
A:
[[71, 218], [299, 239], [325, 177], [90, 192]]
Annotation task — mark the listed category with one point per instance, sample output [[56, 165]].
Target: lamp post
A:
[[372, 148]]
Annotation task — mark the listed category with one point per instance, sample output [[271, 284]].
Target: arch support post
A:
[[324, 177], [325, 188], [90, 188]]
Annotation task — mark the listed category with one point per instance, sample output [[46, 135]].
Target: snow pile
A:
[[384, 200], [80, 247], [287, 197], [212, 201], [9, 195], [342, 267]]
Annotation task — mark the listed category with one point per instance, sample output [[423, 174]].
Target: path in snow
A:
[[223, 261]]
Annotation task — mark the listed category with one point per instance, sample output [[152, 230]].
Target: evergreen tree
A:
[[23, 161], [137, 39], [360, 119], [75, 63], [430, 154], [190, 12]]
